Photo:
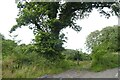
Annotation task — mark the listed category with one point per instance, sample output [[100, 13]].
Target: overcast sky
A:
[[75, 40]]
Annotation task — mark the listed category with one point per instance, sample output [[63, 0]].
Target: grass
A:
[[83, 65], [10, 69], [38, 68], [106, 61]]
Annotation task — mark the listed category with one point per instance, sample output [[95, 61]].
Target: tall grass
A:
[[104, 62], [17, 66]]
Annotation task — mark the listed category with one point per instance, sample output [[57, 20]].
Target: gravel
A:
[[110, 73]]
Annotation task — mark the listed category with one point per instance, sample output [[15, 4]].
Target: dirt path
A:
[[110, 73]]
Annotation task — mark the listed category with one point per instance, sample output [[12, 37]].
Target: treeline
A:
[[75, 54]]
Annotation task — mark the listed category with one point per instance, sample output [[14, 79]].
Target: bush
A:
[[106, 61]]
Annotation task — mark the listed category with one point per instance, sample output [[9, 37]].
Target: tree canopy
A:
[[106, 39], [47, 19], [46, 15], [104, 47]]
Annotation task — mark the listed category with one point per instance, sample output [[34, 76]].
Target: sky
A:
[[75, 40]]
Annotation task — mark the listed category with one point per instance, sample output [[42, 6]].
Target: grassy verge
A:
[[104, 62], [12, 69], [39, 66]]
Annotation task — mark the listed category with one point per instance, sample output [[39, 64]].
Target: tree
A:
[[103, 47], [107, 37], [8, 47], [69, 54], [48, 19], [92, 40], [2, 37]]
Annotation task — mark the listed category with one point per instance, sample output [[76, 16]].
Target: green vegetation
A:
[[46, 55], [104, 62], [74, 55], [104, 46], [23, 61], [48, 19]]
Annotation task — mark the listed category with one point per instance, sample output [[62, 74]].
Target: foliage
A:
[[49, 46], [86, 57], [48, 19], [1, 36], [74, 55], [22, 61], [103, 44], [107, 37], [69, 54], [103, 62], [92, 40], [8, 47]]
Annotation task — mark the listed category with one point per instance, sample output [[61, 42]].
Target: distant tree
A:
[[8, 47], [86, 57], [69, 54], [1, 36]]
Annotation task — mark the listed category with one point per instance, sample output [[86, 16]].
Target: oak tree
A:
[[47, 19]]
